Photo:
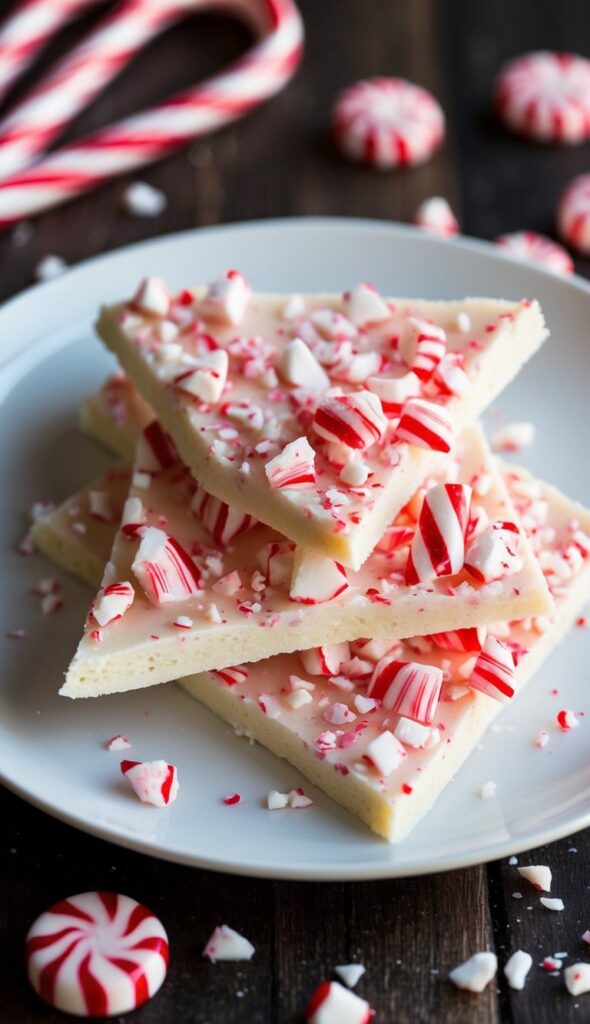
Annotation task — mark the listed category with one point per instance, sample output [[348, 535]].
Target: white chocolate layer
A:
[[499, 337], [393, 805], [257, 619]]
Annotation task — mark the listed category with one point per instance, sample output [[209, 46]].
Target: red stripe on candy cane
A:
[[493, 673], [407, 687]]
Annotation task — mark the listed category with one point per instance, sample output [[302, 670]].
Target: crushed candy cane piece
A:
[[51, 603], [112, 602], [226, 299], [205, 379], [438, 547], [164, 569], [350, 974], [550, 963], [538, 875], [413, 734], [227, 944], [517, 968], [426, 425], [577, 979], [324, 661], [276, 801], [513, 437], [409, 688], [300, 368], [315, 578], [552, 904], [332, 1003], [422, 346], [542, 738], [435, 216], [364, 305], [230, 801], [566, 720], [475, 973], [493, 673], [493, 554], [293, 467], [298, 800], [152, 297], [355, 420], [118, 742], [386, 753], [154, 782]]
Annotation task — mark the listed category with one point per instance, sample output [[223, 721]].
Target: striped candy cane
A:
[[152, 134], [25, 33]]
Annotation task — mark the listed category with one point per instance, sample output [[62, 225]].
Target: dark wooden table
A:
[[408, 933]]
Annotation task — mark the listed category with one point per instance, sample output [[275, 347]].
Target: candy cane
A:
[[152, 134], [25, 32], [438, 548]]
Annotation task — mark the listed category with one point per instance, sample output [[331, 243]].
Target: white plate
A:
[[51, 749]]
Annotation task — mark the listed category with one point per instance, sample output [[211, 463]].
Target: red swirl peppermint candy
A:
[[407, 687], [97, 954], [221, 521], [355, 420], [387, 122], [493, 673], [164, 569], [545, 96], [331, 1003], [438, 548], [471, 638], [426, 425], [536, 248], [573, 214], [422, 345]]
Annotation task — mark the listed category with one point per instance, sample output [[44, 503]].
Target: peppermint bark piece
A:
[[212, 587], [115, 415], [372, 390], [377, 747]]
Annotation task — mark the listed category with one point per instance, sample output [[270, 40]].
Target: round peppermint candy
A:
[[388, 122], [97, 954], [545, 96], [536, 248], [573, 214]]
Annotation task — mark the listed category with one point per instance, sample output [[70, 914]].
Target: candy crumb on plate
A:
[[118, 742], [227, 944], [538, 875], [436, 216], [476, 972], [154, 782], [577, 979]]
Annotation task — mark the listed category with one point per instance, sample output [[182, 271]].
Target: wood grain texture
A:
[[281, 162]]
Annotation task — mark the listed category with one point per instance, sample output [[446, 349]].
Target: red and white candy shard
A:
[[435, 216], [422, 345], [450, 377], [316, 579], [227, 944], [154, 782], [493, 673], [222, 522], [476, 972], [206, 378], [294, 467], [118, 742], [536, 248], [425, 424], [494, 553], [325, 661], [97, 954], [300, 368], [546, 96], [407, 687], [577, 979], [226, 299], [363, 305], [164, 569], [331, 1003], [350, 974], [355, 420], [538, 875], [566, 720], [152, 297], [155, 450], [470, 639], [395, 391], [573, 214], [387, 122], [438, 547], [112, 602]]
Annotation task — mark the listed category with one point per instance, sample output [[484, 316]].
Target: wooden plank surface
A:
[[280, 162]]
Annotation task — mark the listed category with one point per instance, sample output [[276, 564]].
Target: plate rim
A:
[[355, 871]]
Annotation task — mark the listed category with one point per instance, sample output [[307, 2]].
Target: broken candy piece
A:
[[476, 972], [227, 944]]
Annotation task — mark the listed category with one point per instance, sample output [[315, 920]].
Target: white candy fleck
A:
[[143, 200], [476, 972], [552, 904], [517, 968], [49, 268]]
